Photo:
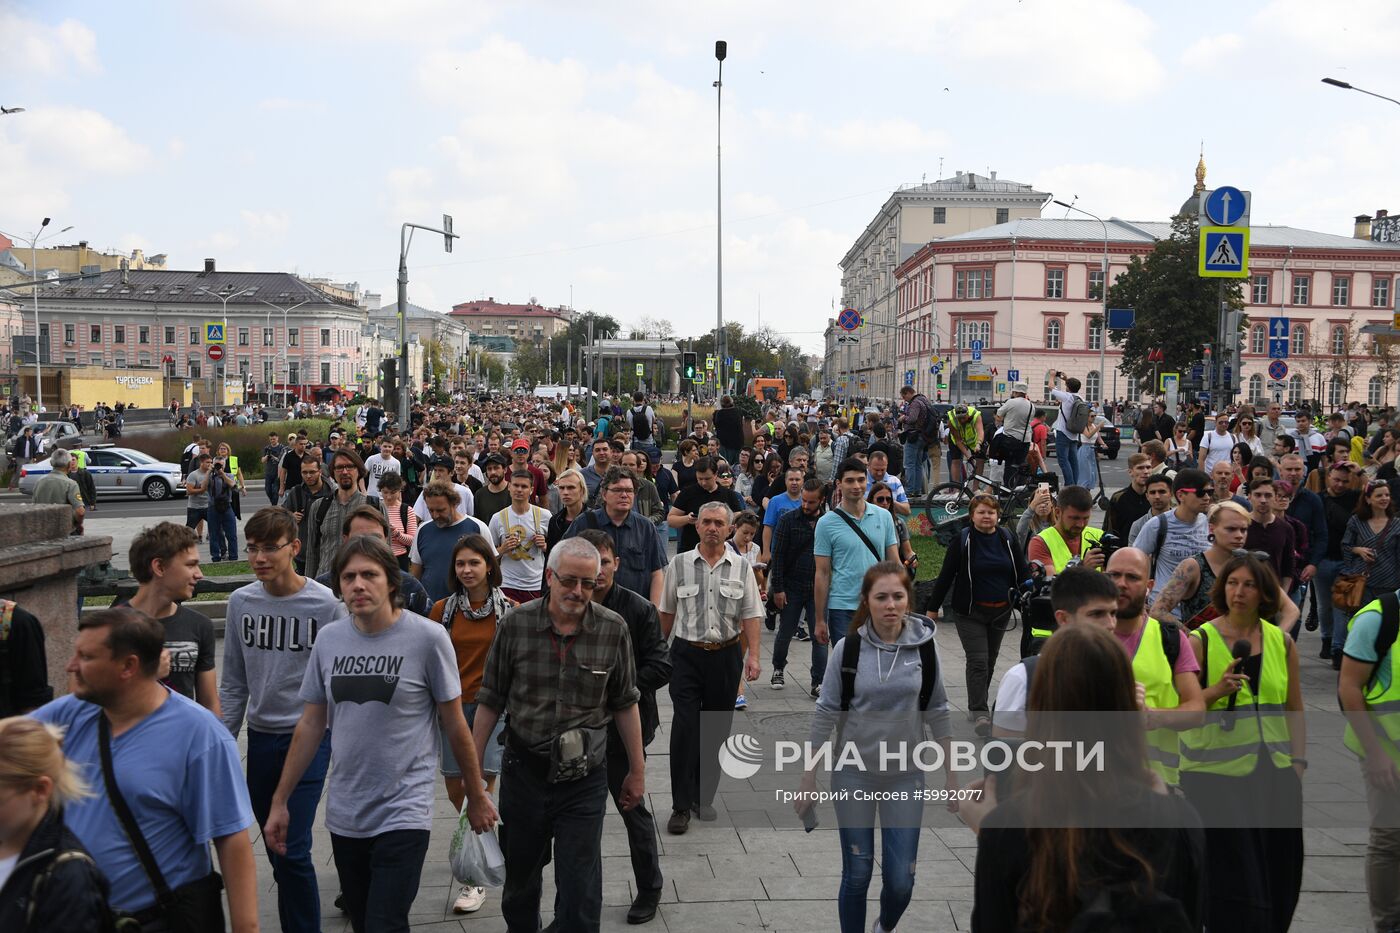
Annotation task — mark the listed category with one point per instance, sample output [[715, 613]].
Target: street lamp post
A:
[[34, 240], [721, 51], [224, 300], [1351, 87], [282, 350], [1103, 291], [405, 241]]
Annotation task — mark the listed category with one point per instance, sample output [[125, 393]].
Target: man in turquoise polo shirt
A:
[[844, 554]]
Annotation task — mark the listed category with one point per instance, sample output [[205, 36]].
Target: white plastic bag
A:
[[476, 857]]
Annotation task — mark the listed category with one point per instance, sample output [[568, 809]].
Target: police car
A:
[[116, 471]]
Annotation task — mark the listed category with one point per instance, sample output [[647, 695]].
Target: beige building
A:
[[524, 323], [911, 217], [80, 257]]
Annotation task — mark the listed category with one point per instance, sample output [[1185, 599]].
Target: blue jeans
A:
[[1067, 453], [1331, 625], [1088, 465], [787, 625], [899, 849], [223, 534], [298, 897], [837, 621], [270, 484], [914, 454], [379, 877]]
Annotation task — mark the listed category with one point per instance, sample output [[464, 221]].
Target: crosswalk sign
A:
[[213, 331], [1224, 252]]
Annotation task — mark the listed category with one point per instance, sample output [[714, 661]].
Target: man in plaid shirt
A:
[[791, 574]]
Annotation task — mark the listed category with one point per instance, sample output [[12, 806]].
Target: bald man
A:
[[1164, 665]]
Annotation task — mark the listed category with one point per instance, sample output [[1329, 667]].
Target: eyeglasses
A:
[[1203, 493], [622, 490], [255, 550], [882, 500], [568, 583]]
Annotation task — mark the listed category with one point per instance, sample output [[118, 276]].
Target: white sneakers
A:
[[469, 900]]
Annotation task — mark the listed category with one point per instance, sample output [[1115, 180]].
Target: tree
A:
[[436, 362], [1177, 310], [1346, 365], [650, 328], [1387, 364]]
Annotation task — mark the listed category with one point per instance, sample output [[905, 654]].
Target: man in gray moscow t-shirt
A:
[[382, 692]]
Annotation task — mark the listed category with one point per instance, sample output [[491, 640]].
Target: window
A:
[[940, 215], [143, 359], [194, 336], [1091, 386], [1052, 334], [325, 336], [1259, 285], [1375, 392], [1054, 283], [95, 359], [1301, 285], [1096, 334], [293, 333], [1003, 215], [70, 333], [1257, 337], [1256, 387], [1096, 284], [143, 334], [1334, 393], [1339, 340], [972, 283], [119, 334], [1380, 293], [1295, 389], [1300, 339], [267, 371], [326, 373], [293, 372], [170, 335], [1341, 290], [267, 336], [969, 331], [243, 336], [244, 367], [94, 333], [194, 368]]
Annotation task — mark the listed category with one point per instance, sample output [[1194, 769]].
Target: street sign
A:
[[1224, 253], [1198, 372], [978, 372], [1013, 375], [1001, 388], [848, 319], [1168, 379], [976, 350], [1121, 318], [936, 368], [728, 360], [213, 331], [1396, 323], [909, 377], [1278, 370], [1279, 332], [639, 369], [1226, 206], [216, 352], [935, 361], [709, 362]]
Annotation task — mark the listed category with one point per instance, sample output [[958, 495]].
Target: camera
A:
[[1108, 544]]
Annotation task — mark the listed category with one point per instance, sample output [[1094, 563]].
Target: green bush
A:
[[246, 442]]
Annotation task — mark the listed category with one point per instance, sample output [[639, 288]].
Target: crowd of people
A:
[[493, 593]]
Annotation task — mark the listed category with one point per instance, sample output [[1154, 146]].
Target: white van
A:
[[556, 391]]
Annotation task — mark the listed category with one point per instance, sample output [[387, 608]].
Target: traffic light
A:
[[690, 362], [389, 380]]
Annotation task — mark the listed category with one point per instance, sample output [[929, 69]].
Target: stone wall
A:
[[39, 567]]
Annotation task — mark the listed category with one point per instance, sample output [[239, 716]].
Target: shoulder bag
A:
[[196, 907], [856, 528]]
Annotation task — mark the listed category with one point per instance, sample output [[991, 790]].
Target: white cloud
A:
[[894, 136], [49, 151], [1212, 51], [1127, 192], [266, 223], [417, 22], [53, 50]]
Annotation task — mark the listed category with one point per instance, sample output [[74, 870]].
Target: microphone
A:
[[1240, 652]]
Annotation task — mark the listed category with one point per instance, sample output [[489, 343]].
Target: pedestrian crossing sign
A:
[[1224, 252], [213, 331]]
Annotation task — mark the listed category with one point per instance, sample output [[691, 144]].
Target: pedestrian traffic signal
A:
[[690, 363], [389, 378]]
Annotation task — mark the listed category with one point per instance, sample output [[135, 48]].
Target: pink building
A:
[[1029, 289]]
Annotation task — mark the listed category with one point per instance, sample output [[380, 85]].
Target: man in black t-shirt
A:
[[729, 428], [686, 506], [289, 473], [272, 455], [165, 562]]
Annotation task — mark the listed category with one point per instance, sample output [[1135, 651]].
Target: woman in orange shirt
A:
[[471, 614]]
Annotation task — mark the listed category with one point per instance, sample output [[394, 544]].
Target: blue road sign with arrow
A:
[[976, 351], [1278, 338], [1227, 206]]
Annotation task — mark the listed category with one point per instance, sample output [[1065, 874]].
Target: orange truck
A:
[[768, 390]]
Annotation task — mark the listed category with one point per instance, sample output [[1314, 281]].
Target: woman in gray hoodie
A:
[[895, 696]]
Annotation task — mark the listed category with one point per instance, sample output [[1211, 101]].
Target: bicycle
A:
[[946, 505]]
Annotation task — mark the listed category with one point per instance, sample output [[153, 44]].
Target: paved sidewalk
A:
[[782, 879]]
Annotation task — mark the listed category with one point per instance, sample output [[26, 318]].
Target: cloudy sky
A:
[[575, 143]]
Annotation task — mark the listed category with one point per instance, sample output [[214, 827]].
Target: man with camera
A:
[[1073, 417]]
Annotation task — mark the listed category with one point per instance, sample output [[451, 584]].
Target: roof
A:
[[277, 288], [1150, 231], [971, 182], [489, 308], [391, 310]]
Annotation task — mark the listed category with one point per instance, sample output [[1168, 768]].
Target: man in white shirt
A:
[[381, 463], [1311, 444], [1066, 441], [440, 471], [1216, 444], [518, 531]]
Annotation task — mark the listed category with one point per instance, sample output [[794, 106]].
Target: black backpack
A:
[[641, 425], [220, 491], [850, 661]]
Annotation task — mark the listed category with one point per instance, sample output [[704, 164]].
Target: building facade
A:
[[909, 218], [279, 330], [529, 323], [425, 326], [1031, 292]]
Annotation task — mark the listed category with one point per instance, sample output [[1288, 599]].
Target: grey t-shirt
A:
[[382, 692], [198, 500], [1183, 539]]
